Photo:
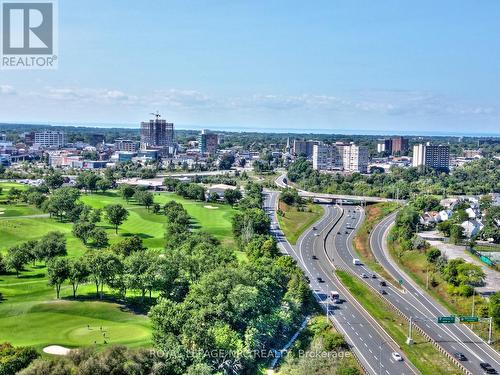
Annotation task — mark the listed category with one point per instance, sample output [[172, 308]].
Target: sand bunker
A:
[[56, 350], [211, 207]]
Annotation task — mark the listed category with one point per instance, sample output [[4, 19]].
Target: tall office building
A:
[[384, 145], [434, 156], [326, 158], [399, 145], [304, 148], [340, 156], [49, 139], [157, 134], [355, 158], [208, 142]]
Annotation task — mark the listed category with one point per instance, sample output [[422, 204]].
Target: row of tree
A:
[[474, 178]]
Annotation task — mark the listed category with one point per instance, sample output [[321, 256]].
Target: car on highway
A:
[[460, 356], [320, 280], [396, 356], [364, 275], [314, 257], [335, 296], [346, 232], [374, 276], [356, 262], [339, 233], [487, 368], [382, 291], [314, 228], [383, 283], [316, 234]]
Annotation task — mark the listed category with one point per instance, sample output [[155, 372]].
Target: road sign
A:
[[469, 319], [446, 319]]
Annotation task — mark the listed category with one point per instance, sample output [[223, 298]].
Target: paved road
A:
[[280, 182], [368, 340], [419, 305]]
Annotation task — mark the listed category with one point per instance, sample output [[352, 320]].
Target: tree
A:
[[99, 238], [103, 266], [36, 198], [17, 257], [51, 245], [433, 255], [231, 196], [250, 222], [144, 198], [128, 246], [87, 180], [57, 272], [14, 359], [445, 227], [14, 194], [226, 161], [290, 196], [213, 197], [456, 233], [485, 202], [137, 265], [62, 202], [127, 191], [103, 184], [116, 214], [83, 230], [495, 308], [156, 208], [54, 180], [78, 273]]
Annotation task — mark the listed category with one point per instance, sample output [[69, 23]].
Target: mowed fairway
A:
[[29, 312]]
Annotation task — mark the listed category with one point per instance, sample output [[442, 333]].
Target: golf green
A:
[[29, 312]]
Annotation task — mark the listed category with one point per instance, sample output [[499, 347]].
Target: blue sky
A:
[[326, 65]]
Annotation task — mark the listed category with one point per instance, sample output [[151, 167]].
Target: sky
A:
[[274, 65]]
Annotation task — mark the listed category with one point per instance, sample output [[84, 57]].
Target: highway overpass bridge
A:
[[344, 199]]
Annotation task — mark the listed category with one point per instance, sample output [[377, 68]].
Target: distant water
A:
[[266, 129]]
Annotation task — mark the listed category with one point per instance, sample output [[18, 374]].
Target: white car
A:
[[396, 356]]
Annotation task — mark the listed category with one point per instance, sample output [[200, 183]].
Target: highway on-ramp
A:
[[415, 302], [370, 343]]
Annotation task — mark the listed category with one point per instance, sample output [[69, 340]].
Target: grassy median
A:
[[422, 353], [373, 215], [294, 222]]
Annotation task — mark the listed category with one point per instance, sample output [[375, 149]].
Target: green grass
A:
[[414, 263], [295, 222], [11, 210], [29, 312], [373, 215], [422, 354]]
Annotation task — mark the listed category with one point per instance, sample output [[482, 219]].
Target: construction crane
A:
[[157, 115]]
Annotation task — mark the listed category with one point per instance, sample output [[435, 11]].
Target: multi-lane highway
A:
[[371, 345], [416, 303]]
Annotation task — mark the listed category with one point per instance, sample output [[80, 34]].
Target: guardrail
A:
[[420, 330]]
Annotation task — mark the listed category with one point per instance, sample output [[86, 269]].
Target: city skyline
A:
[[357, 67]]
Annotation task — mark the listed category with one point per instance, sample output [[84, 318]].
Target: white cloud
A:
[[7, 90], [369, 102]]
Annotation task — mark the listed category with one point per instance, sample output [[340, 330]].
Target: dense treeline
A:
[[221, 313], [477, 177]]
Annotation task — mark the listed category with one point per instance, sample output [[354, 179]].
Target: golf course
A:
[[30, 314]]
